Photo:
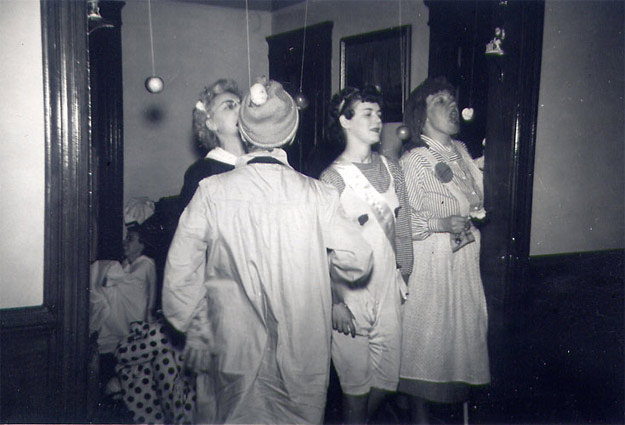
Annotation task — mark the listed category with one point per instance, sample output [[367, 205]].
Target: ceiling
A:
[[265, 5]]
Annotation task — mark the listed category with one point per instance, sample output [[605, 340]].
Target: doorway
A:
[[306, 68]]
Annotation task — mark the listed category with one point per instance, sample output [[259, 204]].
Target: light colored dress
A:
[[119, 295], [445, 319]]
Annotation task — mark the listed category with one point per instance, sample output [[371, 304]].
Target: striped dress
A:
[[445, 319]]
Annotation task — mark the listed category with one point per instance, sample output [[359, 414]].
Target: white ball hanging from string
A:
[[301, 101], [467, 114], [154, 84], [404, 133]]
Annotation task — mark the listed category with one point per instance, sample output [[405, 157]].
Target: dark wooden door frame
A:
[[107, 146], [514, 83], [44, 348], [508, 87]]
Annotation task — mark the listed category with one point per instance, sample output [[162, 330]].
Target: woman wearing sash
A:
[[444, 348], [366, 340]]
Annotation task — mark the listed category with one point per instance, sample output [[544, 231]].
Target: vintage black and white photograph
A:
[[312, 212]]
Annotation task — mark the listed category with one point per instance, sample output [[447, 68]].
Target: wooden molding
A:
[[44, 349]]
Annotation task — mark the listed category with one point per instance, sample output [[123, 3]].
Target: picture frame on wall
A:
[[382, 59]]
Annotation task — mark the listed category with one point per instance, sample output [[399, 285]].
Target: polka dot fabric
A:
[[155, 387]]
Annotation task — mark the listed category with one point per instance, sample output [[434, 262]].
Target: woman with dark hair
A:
[[120, 294], [444, 346], [215, 126], [366, 342]]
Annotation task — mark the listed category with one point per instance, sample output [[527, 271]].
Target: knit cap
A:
[[268, 116]]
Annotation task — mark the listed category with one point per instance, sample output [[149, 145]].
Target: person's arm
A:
[[346, 258], [183, 283], [191, 181], [151, 281], [403, 231], [342, 317]]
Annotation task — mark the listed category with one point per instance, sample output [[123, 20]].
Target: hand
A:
[[191, 359], [343, 319], [195, 359], [456, 223]]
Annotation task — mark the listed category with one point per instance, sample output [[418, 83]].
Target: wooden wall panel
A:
[[25, 385], [43, 351]]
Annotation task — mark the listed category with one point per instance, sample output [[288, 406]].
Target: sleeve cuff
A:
[[436, 225]]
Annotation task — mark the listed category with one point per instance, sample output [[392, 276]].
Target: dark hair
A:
[[145, 237], [343, 103], [416, 107], [206, 138]]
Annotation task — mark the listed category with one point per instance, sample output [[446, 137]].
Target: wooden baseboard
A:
[[609, 264]]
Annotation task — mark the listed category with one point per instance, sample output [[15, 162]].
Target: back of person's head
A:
[[415, 112], [343, 104], [206, 138], [268, 117]]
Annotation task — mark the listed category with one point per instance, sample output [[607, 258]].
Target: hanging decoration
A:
[[403, 131], [153, 83], [468, 113], [300, 99], [494, 47]]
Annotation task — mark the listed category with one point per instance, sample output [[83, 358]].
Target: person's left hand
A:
[[343, 319]]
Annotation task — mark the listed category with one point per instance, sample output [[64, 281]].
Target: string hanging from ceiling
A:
[[153, 83], [403, 131], [300, 99], [468, 112]]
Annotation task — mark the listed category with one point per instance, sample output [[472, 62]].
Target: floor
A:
[[562, 362]]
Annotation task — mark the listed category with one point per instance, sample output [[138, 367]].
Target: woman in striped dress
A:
[[444, 345]]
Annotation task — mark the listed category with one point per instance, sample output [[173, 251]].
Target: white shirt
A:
[[120, 294]]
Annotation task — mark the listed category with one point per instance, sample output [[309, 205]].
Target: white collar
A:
[[434, 143], [222, 155]]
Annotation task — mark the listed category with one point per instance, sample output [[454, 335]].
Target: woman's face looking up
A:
[[442, 113]]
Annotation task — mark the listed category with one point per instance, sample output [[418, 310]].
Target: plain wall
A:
[[578, 196], [194, 45], [22, 155]]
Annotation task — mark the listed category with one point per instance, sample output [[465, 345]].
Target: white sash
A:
[[383, 213]]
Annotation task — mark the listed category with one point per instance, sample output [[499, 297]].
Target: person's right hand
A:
[[194, 358], [343, 319], [455, 223]]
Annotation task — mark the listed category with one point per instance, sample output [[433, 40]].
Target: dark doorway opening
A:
[[309, 153]]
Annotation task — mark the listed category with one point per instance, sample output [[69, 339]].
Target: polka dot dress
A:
[[155, 388]]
